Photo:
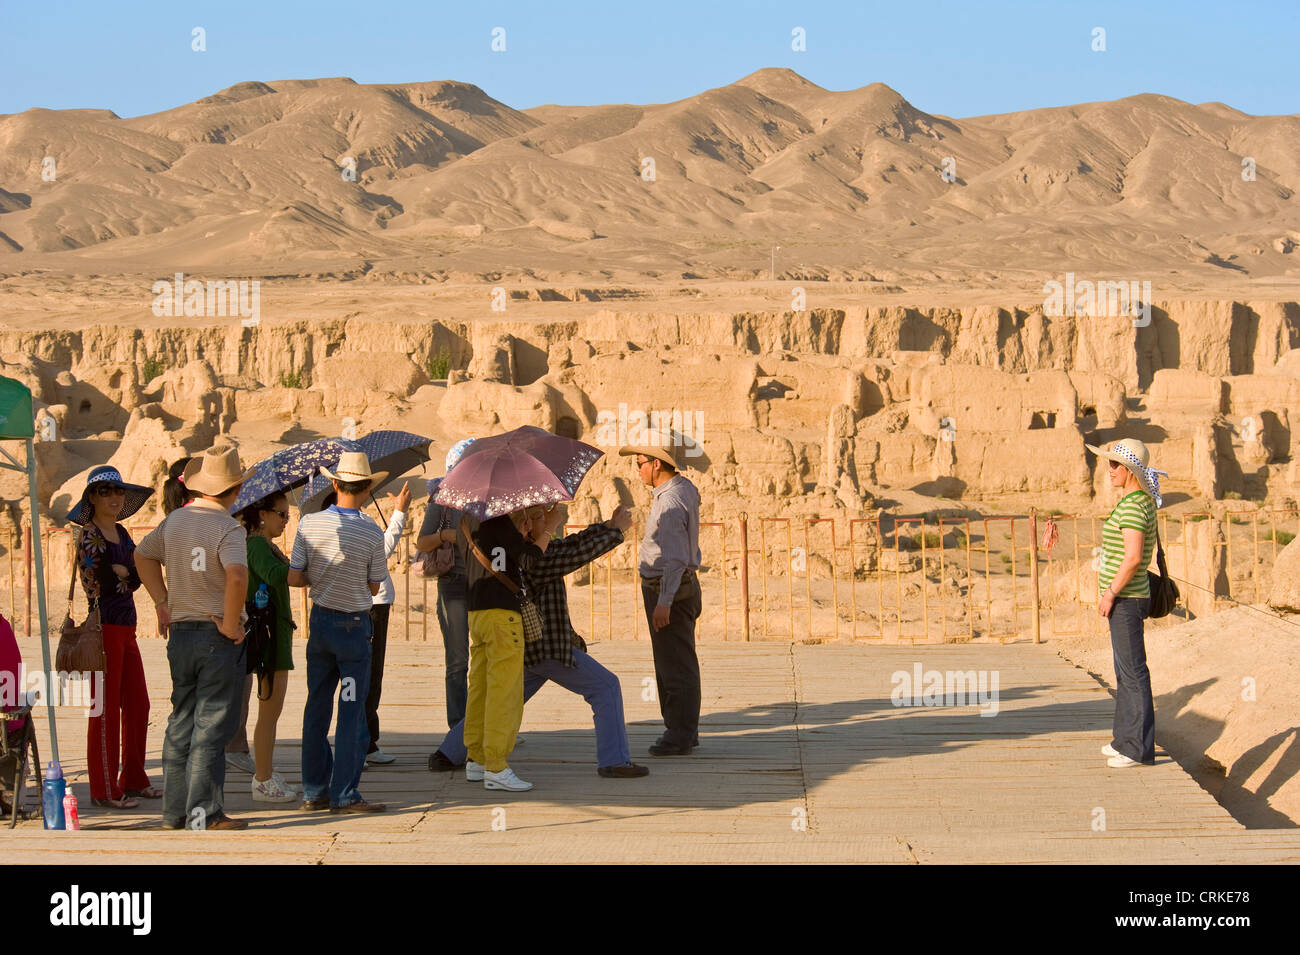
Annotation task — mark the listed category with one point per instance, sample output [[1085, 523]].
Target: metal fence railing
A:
[[910, 579]]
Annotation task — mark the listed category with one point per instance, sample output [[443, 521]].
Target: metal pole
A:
[[13, 595], [1033, 572], [744, 579], [27, 566], [42, 615]]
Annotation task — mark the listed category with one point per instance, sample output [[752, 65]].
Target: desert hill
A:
[[257, 179]]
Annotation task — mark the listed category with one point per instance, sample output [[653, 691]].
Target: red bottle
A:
[[70, 810]]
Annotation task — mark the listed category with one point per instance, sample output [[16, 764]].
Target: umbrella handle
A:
[[383, 521]]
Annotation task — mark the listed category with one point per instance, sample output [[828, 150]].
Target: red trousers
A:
[[124, 722]]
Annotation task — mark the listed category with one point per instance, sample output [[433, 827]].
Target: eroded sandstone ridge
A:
[[835, 410]]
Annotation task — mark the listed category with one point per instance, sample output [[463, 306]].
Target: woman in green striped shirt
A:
[[1128, 539]]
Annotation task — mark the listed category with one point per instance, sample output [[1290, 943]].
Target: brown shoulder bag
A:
[[81, 646]]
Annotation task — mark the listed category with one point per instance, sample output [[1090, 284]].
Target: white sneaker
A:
[[473, 771], [268, 790], [507, 780], [242, 762], [282, 784], [1109, 750], [1121, 762], [380, 758]]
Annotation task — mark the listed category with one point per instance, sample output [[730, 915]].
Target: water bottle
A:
[[53, 788], [261, 598], [70, 810]]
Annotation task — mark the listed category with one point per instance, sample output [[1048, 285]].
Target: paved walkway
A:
[[804, 758]]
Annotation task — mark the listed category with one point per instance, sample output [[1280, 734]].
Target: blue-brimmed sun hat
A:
[[108, 476], [457, 451]]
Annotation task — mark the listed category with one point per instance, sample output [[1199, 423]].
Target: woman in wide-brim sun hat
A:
[[115, 738], [1128, 540]]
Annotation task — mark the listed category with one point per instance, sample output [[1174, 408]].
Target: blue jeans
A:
[[338, 652], [598, 686], [1135, 715], [453, 618], [207, 673]]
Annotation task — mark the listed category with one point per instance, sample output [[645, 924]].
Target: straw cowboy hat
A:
[[667, 453], [108, 476], [215, 472], [355, 466], [1133, 454]]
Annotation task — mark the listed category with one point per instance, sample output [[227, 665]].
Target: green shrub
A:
[[1232, 496], [291, 379], [929, 538], [439, 365], [153, 367], [1282, 537]]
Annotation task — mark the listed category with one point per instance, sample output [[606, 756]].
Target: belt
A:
[[686, 575], [341, 613]]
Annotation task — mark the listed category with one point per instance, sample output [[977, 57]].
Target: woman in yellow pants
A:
[[495, 703]]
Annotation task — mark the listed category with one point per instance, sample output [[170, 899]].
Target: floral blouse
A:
[[114, 594]]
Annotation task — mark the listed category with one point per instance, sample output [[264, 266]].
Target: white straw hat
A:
[[355, 466], [1133, 454]]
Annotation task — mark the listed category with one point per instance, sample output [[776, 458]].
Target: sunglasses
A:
[[108, 491], [641, 464], [1113, 464]]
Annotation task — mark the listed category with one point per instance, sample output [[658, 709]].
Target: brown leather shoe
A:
[[314, 805], [359, 806], [225, 822]]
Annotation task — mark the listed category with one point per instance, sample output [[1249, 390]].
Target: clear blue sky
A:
[[959, 59]]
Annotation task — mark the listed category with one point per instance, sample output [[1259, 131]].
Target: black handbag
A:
[[259, 643], [1163, 590]]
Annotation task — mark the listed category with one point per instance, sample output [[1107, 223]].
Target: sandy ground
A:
[[804, 757], [1224, 689]]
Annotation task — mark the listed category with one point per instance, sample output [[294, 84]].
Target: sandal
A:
[[147, 793], [126, 802]]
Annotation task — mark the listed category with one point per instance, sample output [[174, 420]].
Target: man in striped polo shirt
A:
[[339, 554], [200, 610]]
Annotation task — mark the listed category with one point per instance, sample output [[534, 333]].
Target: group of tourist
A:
[[502, 606], [205, 569]]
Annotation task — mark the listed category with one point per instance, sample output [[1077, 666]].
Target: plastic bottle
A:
[[53, 788], [70, 810], [261, 598]]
